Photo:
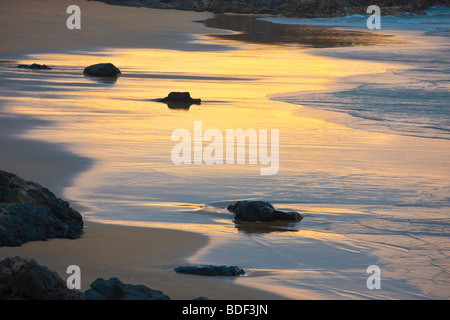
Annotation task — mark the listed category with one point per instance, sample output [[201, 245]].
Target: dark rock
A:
[[292, 8], [211, 270], [183, 97], [179, 100], [24, 279], [260, 211], [102, 70], [114, 289], [30, 212], [111, 289], [179, 105], [34, 66]]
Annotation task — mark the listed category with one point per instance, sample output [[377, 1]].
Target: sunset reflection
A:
[[120, 125]]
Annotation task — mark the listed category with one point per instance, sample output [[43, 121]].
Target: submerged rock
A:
[[102, 70], [25, 279], [30, 212], [34, 66], [211, 270], [260, 211], [114, 289]]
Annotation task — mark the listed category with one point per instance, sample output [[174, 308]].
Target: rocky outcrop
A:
[[260, 211], [24, 279], [102, 70], [34, 66], [114, 289], [30, 212], [211, 270], [293, 8]]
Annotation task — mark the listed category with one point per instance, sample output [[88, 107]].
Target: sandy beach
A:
[[24, 31], [372, 189], [134, 255]]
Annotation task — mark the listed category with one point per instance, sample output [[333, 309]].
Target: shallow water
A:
[[413, 100], [367, 196]]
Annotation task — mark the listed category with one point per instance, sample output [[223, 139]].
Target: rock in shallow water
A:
[[179, 100], [260, 211], [30, 212], [34, 66], [102, 70], [210, 270], [180, 97]]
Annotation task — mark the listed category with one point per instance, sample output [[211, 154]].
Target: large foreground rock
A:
[[211, 270], [24, 279], [114, 289], [102, 70], [29, 212], [260, 211]]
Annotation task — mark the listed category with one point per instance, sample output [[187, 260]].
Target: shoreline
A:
[[104, 249], [137, 239], [169, 29], [302, 9], [135, 255], [65, 165]]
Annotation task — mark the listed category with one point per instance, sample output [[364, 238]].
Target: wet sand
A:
[[23, 31], [49, 164], [118, 131], [134, 255], [250, 29]]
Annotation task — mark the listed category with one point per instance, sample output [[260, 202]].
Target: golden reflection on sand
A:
[[120, 125]]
